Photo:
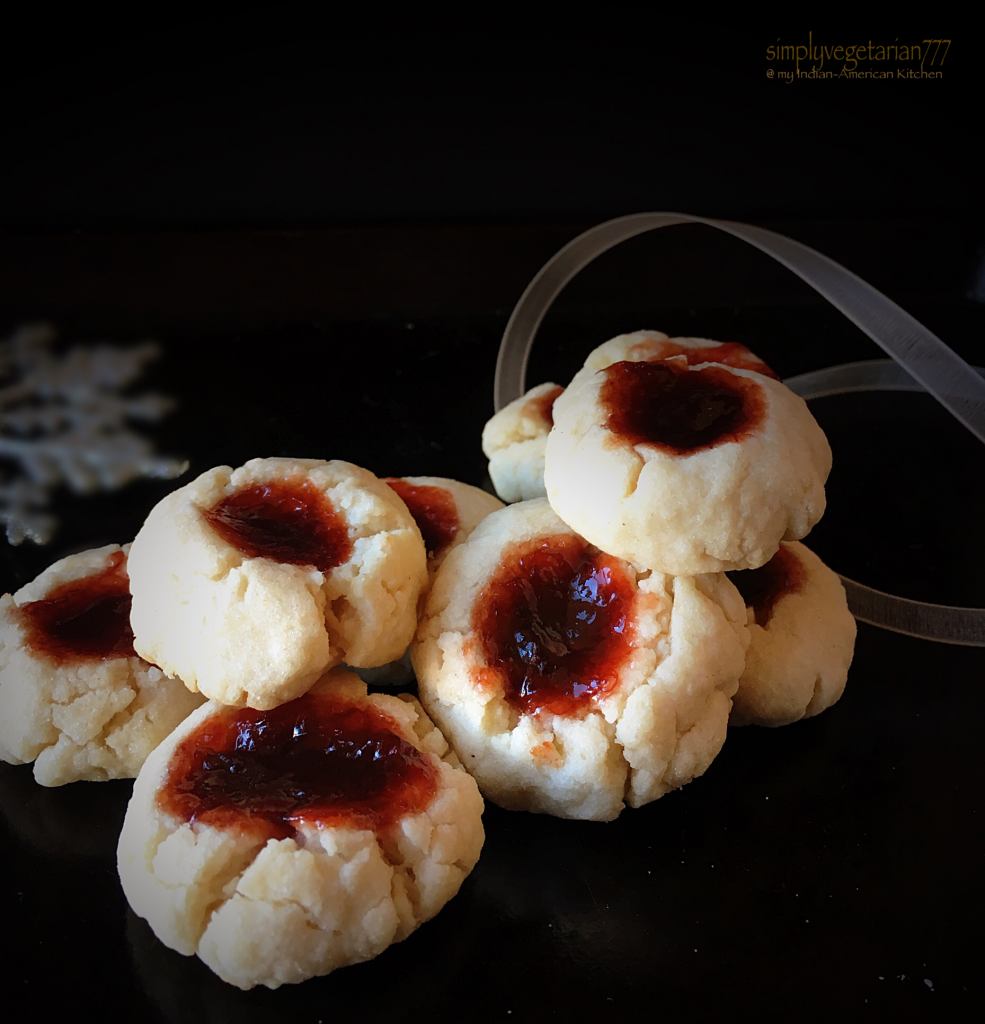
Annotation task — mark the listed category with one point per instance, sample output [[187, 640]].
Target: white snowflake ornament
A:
[[64, 420]]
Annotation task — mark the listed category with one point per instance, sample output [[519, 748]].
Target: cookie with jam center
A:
[[570, 681], [446, 511], [75, 698], [802, 638], [249, 583], [280, 845], [683, 468]]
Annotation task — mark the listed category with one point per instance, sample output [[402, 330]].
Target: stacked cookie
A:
[[294, 822], [586, 648]]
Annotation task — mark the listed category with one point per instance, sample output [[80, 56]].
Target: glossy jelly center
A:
[[316, 760], [434, 511], [762, 588], [555, 624], [730, 353], [677, 409], [542, 407], [289, 521], [85, 620]]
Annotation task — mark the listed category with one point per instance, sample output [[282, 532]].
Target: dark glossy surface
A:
[[314, 761], [85, 620], [555, 624], [825, 870]]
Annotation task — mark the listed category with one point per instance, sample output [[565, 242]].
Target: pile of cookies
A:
[[576, 651], [293, 822], [676, 474]]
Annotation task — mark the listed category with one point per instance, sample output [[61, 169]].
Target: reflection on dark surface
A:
[[420, 978], [80, 819], [183, 988]]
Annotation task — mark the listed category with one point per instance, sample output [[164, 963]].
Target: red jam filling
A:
[[289, 521], [318, 760], [731, 353], [762, 588], [555, 624], [85, 620], [434, 511], [677, 409], [542, 407]]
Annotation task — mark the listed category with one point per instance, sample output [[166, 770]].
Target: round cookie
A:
[[514, 441], [802, 639], [279, 845], [685, 469], [446, 512], [74, 696], [570, 681], [249, 583]]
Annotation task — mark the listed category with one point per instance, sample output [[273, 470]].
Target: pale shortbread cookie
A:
[[802, 639], [273, 911], [446, 511], [685, 508], [79, 716], [658, 725], [514, 441], [515, 438], [259, 631]]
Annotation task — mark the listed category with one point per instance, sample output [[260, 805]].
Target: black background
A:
[[325, 225], [282, 116]]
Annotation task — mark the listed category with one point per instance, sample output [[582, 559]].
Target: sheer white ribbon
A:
[[922, 363]]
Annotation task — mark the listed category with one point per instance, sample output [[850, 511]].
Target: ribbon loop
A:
[[922, 363]]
